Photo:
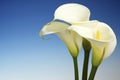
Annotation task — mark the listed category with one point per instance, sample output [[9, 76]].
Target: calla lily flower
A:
[[101, 37], [64, 17]]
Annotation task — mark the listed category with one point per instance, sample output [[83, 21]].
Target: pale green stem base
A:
[[93, 72], [76, 68]]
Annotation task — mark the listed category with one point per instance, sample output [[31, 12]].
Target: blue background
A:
[[25, 56]]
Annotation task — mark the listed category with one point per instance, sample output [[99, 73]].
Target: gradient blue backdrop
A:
[[25, 56]]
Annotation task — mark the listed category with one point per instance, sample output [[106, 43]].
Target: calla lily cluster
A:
[[71, 24]]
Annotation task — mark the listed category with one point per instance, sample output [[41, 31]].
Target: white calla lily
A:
[[65, 16], [72, 13], [101, 37]]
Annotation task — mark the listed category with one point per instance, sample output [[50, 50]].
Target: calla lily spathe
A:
[[64, 17], [72, 13], [101, 37]]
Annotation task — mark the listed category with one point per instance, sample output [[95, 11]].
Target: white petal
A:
[[72, 40], [84, 29], [72, 12], [53, 27], [103, 47], [106, 33], [108, 37]]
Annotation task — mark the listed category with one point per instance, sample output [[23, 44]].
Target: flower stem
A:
[[85, 66], [87, 48], [76, 68], [93, 72]]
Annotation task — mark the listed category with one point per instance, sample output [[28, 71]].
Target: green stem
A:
[[93, 72], [87, 48], [76, 68], [85, 66]]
